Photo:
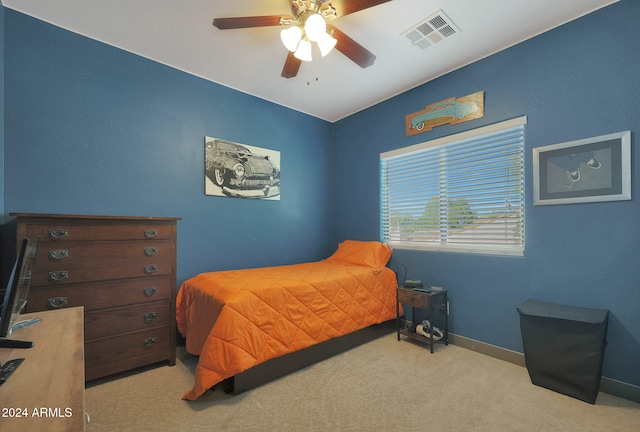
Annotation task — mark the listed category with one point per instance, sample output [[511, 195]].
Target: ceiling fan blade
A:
[[245, 22], [352, 49], [291, 66], [346, 7]]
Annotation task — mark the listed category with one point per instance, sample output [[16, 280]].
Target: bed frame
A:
[[288, 363]]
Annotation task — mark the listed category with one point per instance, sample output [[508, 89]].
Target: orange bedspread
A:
[[240, 318]]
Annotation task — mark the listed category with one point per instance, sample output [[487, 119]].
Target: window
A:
[[461, 193]]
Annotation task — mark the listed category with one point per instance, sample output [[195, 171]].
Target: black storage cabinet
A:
[[564, 347]]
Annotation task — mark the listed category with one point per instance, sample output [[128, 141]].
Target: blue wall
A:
[[1, 115], [92, 129], [578, 81], [4, 244]]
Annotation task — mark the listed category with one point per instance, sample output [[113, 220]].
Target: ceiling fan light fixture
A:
[[291, 37], [304, 50], [315, 27], [326, 43]]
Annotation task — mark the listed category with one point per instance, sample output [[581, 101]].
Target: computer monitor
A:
[[15, 297]]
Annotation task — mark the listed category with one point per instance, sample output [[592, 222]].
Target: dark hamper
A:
[[564, 347]]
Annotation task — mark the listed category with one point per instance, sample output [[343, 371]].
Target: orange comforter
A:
[[240, 318]]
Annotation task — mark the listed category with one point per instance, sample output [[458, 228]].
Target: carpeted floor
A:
[[384, 385]]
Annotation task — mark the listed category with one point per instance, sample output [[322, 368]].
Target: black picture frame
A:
[[588, 170]]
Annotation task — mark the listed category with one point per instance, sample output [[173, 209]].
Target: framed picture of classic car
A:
[[241, 171], [588, 170]]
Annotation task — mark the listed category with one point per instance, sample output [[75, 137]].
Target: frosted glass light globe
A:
[[314, 27], [326, 44], [304, 50], [291, 37]]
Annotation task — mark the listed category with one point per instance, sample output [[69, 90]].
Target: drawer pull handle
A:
[[58, 254], [150, 233], [57, 276], [149, 342], [149, 316], [150, 268], [57, 302], [149, 291], [150, 251], [57, 234]]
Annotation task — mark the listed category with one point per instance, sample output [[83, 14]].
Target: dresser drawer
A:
[[74, 262], [63, 231], [103, 323], [86, 253], [413, 298], [116, 354], [100, 295]]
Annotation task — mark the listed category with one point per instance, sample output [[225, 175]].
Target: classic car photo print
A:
[[239, 170], [588, 170]]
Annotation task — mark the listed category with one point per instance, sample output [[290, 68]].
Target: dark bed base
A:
[[284, 365]]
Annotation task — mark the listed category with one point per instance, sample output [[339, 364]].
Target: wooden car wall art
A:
[[449, 111]]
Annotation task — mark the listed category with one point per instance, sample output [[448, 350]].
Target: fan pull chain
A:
[[317, 62], [315, 59]]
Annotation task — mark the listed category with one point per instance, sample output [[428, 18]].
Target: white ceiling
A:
[[180, 34]]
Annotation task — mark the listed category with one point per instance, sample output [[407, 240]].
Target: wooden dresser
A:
[[122, 270]]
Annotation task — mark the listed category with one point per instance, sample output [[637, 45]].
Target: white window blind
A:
[[460, 193]]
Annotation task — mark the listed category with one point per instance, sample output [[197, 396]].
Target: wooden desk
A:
[[46, 392]]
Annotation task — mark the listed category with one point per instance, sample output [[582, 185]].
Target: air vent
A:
[[431, 30]]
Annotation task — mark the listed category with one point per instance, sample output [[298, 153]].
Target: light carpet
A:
[[384, 385]]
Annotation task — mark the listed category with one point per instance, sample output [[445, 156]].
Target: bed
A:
[[238, 320]]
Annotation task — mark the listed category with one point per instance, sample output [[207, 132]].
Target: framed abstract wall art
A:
[[588, 170]]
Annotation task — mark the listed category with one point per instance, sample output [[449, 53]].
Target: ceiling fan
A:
[[308, 24]]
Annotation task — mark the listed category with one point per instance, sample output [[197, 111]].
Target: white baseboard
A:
[[607, 385]]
